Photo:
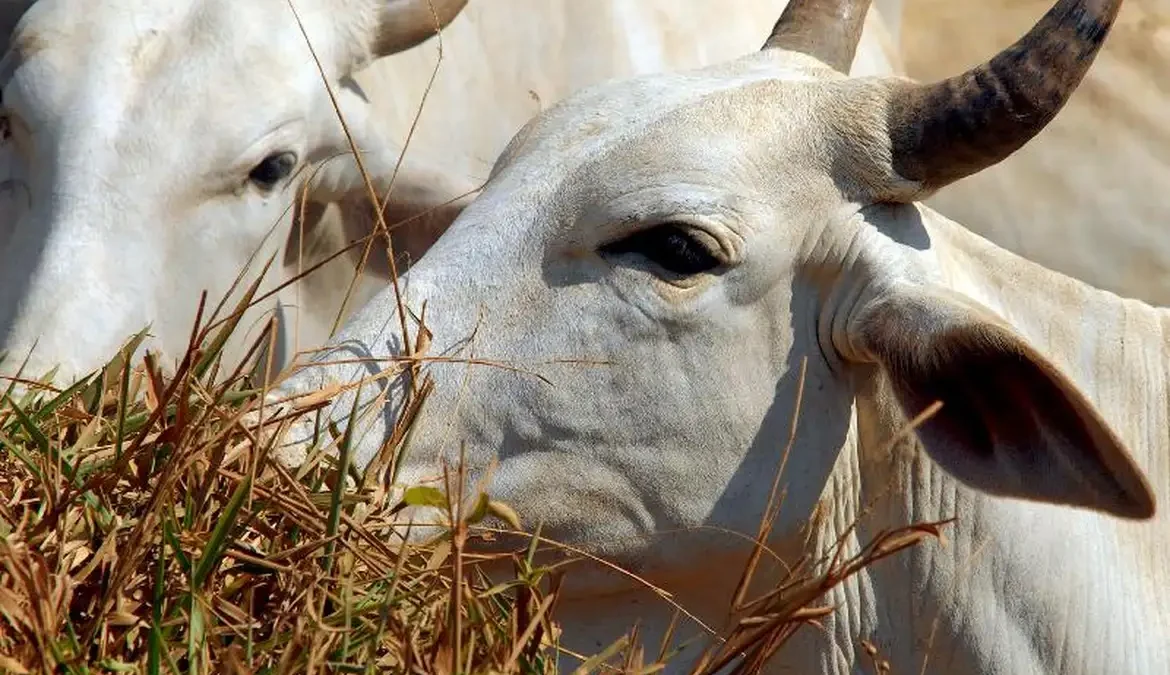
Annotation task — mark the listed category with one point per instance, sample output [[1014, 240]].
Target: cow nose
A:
[[320, 399], [370, 352]]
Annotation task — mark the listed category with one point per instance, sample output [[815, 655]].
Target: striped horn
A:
[[948, 130]]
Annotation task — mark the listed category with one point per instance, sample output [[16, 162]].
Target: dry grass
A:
[[145, 530]]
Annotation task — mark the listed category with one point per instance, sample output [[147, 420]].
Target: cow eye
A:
[[670, 246], [274, 169]]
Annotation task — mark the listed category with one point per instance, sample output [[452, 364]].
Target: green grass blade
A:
[[30, 427], [155, 647], [60, 399], [172, 539], [339, 487], [219, 540], [123, 403], [196, 634]]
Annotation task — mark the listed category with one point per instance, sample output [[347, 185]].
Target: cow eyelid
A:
[[670, 246]]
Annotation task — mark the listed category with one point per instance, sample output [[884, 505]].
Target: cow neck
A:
[[1017, 582]]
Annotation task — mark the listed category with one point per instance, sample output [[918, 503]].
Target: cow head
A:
[[154, 147], [621, 320]]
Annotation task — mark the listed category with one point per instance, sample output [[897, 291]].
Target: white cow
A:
[[152, 149], [158, 144], [652, 262]]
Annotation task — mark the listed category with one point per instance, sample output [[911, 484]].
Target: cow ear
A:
[[403, 24], [1011, 423]]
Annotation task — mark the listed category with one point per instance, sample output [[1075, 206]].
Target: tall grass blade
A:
[[221, 535]]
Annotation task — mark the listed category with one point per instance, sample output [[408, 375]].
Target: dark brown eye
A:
[[274, 169], [669, 246]]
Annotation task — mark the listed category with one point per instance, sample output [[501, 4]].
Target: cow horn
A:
[[828, 30], [408, 23], [951, 129]]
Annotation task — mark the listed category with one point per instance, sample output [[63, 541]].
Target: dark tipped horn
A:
[[828, 30], [951, 129]]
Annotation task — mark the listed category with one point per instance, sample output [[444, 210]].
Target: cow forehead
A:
[[153, 72], [598, 116], [147, 43], [651, 126], [127, 25]]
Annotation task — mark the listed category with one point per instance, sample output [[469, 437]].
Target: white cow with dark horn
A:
[[648, 268]]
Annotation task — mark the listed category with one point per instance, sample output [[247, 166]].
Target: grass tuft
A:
[[144, 529]]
